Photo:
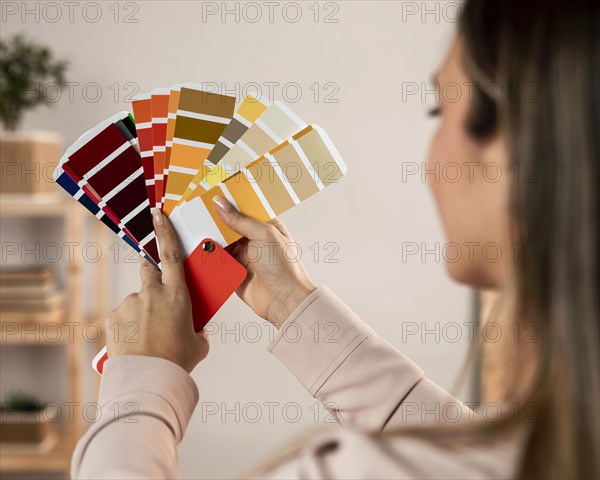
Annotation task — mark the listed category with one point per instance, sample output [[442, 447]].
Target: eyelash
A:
[[435, 112]]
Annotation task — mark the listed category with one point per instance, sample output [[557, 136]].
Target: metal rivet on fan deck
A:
[[208, 247]]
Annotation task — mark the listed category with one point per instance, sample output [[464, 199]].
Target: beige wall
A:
[[366, 63]]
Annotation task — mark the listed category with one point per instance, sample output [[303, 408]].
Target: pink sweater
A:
[[373, 386]]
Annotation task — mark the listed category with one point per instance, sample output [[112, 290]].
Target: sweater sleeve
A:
[[145, 404], [361, 379]]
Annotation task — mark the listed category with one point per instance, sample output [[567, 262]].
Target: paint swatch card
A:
[[276, 124], [174, 92], [124, 122], [201, 118], [142, 111], [70, 186], [109, 169], [246, 115], [183, 146], [160, 111], [295, 170]]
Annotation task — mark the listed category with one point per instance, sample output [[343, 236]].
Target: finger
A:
[[279, 225], [203, 342], [203, 336], [149, 274], [242, 255], [243, 224], [170, 251], [239, 253]]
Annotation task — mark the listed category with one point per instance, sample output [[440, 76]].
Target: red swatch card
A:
[[212, 275], [142, 111], [160, 112]]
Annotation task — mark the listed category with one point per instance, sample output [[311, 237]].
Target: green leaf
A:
[[26, 67]]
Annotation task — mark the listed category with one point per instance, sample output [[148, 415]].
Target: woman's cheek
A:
[[457, 200], [443, 158]]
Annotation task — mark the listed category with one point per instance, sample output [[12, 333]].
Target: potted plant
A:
[[29, 72], [27, 423]]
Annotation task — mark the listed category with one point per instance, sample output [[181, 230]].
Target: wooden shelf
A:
[[43, 333], [35, 205], [57, 459], [35, 335], [41, 318], [58, 205]]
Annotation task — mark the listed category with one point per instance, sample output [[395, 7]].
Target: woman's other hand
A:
[[277, 282], [157, 321]]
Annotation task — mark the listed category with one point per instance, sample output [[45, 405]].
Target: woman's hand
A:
[[276, 283], [157, 322]]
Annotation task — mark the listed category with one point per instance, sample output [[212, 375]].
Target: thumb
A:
[[246, 226]]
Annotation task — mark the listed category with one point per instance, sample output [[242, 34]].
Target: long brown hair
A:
[[544, 58]]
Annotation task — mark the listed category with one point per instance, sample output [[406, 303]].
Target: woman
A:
[[540, 122]]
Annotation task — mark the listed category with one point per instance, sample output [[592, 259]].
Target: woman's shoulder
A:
[[407, 455]]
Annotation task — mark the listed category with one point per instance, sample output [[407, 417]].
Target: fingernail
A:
[[158, 216], [222, 203]]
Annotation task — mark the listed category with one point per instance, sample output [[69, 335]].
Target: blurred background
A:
[[360, 69]]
